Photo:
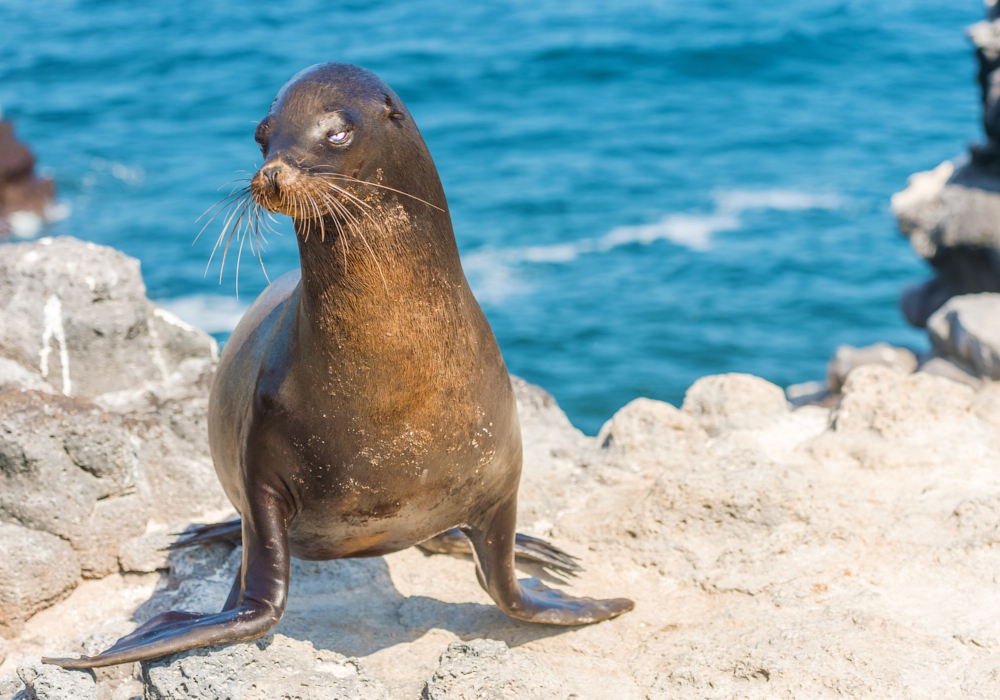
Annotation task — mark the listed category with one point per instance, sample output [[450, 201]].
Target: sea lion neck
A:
[[397, 272]]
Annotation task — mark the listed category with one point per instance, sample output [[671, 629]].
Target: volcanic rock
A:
[[45, 682], [36, 570], [271, 667]]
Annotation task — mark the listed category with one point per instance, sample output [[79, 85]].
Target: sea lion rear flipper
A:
[[526, 548], [229, 531], [255, 610], [494, 542]]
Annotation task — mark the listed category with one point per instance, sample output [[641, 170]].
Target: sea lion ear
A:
[[391, 111]]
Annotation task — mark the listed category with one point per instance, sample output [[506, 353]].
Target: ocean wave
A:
[[493, 275], [739, 201], [213, 313]]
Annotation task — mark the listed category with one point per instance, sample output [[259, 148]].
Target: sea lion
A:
[[362, 405]]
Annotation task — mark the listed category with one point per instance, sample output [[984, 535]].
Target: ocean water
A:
[[643, 192]]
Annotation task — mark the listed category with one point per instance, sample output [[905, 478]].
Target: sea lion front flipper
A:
[[493, 540], [257, 607], [526, 548]]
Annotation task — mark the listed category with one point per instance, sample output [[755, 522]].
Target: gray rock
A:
[[147, 553], [949, 369], [486, 669], [955, 205], [70, 469], [10, 687], [967, 329], [77, 312], [45, 682], [728, 402], [169, 420], [813, 393], [848, 357], [11, 373], [272, 667], [951, 215], [94, 473], [36, 570]]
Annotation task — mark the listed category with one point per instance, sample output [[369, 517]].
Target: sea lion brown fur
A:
[[361, 406]]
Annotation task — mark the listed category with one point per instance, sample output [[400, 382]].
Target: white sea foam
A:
[[27, 224], [130, 175], [494, 274], [739, 201], [213, 313]]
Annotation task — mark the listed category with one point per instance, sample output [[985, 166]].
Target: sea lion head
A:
[[337, 139]]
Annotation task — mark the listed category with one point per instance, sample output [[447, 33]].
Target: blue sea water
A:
[[643, 192]]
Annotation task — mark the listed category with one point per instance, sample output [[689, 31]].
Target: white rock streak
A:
[[54, 329]]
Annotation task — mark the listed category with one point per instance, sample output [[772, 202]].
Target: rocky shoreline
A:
[[837, 550]]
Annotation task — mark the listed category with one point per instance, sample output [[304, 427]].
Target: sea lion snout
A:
[[269, 174], [274, 185]]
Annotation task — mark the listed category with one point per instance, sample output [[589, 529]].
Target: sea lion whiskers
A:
[[355, 225], [340, 231], [235, 207], [311, 192], [244, 221], [340, 190], [376, 184], [239, 255], [258, 222], [320, 217], [220, 206], [236, 229]]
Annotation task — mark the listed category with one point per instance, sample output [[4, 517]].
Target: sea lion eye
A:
[[261, 135], [338, 138]]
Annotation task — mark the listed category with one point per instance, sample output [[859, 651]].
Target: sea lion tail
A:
[[229, 531]]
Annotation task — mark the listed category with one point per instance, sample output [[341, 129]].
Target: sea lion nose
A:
[[270, 173]]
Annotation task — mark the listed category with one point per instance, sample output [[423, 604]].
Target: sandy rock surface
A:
[[806, 553], [486, 668]]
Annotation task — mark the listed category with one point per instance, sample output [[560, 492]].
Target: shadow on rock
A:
[[349, 606]]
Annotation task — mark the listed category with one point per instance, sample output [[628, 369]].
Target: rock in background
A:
[[952, 217], [952, 213], [967, 330], [25, 199]]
